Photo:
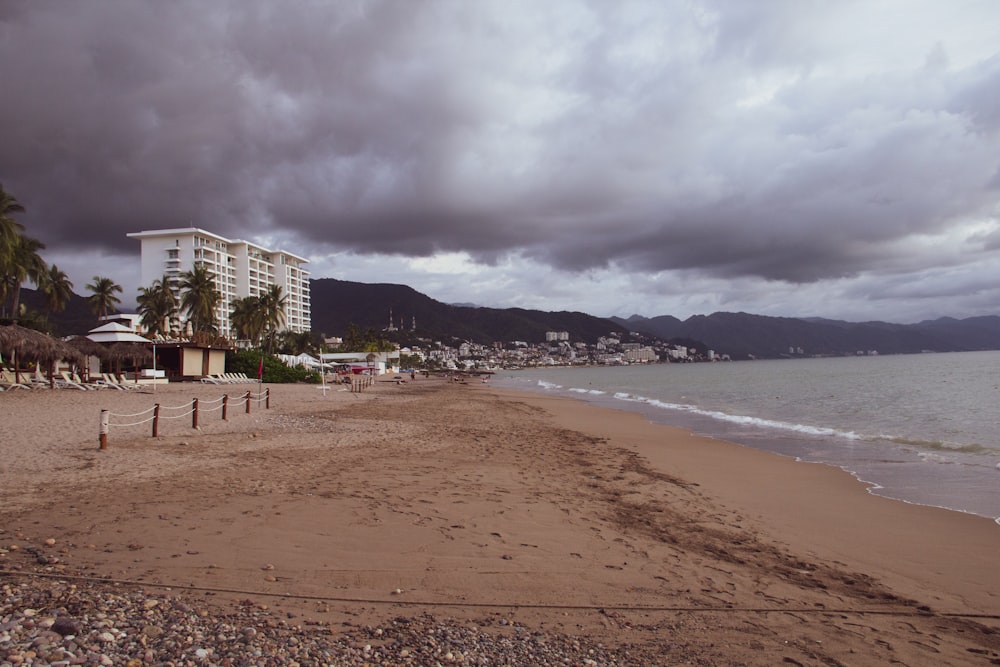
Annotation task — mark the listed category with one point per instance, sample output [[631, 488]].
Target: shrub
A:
[[248, 362]]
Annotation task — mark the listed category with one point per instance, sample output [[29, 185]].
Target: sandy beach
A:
[[436, 522]]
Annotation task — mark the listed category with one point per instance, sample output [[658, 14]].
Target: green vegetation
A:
[[20, 262], [290, 342], [258, 318], [102, 299], [248, 362], [200, 298], [369, 341], [158, 307], [413, 361], [56, 289]]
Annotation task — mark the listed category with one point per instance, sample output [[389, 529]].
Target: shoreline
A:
[[824, 445], [509, 513], [693, 462]]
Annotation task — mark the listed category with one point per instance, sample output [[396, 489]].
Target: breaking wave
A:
[[743, 420]]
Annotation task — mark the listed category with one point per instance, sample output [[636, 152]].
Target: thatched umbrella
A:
[[17, 340], [88, 348], [20, 344], [137, 353]]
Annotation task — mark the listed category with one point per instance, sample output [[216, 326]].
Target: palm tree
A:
[[200, 298], [247, 318], [102, 299], [57, 288], [10, 229], [22, 262], [273, 304], [19, 258], [297, 343], [354, 340], [157, 305]]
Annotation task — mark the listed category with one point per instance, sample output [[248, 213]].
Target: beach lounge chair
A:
[[95, 381], [118, 382], [109, 380], [210, 379], [29, 381], [124, 381], [67, 382], [89, 384], [9, 381], [39, 380]]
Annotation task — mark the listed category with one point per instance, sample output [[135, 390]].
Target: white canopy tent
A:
[[303, 359]]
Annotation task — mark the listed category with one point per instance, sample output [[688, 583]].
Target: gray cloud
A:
[[698, 143]]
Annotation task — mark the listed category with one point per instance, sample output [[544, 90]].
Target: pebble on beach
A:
[[51, 621]]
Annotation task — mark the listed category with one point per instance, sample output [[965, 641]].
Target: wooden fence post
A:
[[156, 420], [267, 398], [248, 401], [225, 407], [105, 424], [194, 413]]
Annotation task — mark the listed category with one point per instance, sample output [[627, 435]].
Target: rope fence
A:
[[194, 409]]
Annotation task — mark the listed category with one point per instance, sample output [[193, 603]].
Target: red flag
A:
[[260, 369]]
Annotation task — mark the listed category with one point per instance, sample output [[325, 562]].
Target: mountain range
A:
[[339, 303], [336, 303], [742, 335]]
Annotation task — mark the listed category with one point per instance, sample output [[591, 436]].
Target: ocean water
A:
[[923, 428]]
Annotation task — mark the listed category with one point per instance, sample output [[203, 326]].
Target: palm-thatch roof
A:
[[112, 354], [135, 352], [89, 348], [30, 345]]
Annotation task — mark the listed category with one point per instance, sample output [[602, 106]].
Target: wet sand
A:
[[492, 509]]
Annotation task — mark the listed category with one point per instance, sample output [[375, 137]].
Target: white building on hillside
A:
[[241, 269]]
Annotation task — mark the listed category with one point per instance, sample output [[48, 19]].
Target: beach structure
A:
[[241, 269], [375, 363], [115, 332]]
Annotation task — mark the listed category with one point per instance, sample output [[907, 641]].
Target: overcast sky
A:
[[785, 157]]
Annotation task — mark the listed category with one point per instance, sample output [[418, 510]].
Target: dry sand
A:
[[493, 509]]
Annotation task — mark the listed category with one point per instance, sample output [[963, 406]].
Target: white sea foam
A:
[[930, 457], [743, 420]]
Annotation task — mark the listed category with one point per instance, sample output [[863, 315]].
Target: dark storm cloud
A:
[[778, 141]]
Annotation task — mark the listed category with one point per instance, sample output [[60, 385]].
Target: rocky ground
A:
[[59, 622]]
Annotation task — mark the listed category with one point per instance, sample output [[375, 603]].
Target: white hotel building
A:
[[241, 269]]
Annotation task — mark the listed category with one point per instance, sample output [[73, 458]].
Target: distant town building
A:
[[241, 269], [552, 336], [639, 354], [678, 353]]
